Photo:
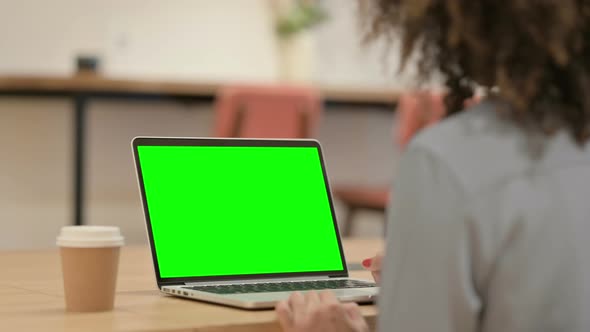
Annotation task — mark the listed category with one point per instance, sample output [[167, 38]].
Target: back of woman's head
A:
[[534, 54]]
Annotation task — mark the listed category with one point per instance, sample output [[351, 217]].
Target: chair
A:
[[415, 111], [267, 111], [358, 198]]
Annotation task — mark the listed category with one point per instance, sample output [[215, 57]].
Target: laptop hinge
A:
[[254, 281], [177, 283]]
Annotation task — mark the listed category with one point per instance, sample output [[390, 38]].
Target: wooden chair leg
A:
[[239, 121], [348, 222], [304, 124]]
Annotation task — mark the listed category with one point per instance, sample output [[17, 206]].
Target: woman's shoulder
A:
[[477, 145]]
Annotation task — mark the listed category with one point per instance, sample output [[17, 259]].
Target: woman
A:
[[491, 214]]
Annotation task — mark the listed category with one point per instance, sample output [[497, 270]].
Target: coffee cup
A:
[[90, 259]]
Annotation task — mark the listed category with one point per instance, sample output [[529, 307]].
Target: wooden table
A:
[[126, 87], [31, 298], [83, 88]]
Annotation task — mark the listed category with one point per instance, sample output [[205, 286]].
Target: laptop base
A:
[[267, 300]]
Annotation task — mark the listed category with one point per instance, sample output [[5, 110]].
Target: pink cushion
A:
[[415, 111], [269, 111], [418, 110]]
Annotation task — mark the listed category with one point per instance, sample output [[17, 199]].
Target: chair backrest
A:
[[418, 110], [270, 111], [415, 111]]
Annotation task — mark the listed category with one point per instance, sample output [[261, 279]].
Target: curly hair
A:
[[532, 54]]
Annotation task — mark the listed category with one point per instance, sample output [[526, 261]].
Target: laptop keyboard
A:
[[291, 286]]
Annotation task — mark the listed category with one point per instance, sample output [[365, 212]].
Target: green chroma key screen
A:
[[218, 210]]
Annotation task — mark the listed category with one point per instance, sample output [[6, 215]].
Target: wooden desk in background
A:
[[31, 298], [103, 86], [81, 89]]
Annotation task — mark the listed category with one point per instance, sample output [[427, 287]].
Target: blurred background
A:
[[160, 68]]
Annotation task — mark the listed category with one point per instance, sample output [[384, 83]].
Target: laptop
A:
[[242, 222]]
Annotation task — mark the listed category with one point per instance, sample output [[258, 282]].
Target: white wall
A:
[[340, 58], [198, 40], [35, 171], [176, 39]]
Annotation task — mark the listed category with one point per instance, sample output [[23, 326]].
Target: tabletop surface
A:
[[31, 297], [102, 84]]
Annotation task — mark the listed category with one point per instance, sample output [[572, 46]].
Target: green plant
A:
[[301, 17]]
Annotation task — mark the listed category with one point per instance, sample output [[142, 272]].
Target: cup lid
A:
[[90, 236]]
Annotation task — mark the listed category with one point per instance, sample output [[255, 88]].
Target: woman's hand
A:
[[321, 312], [374, 265]]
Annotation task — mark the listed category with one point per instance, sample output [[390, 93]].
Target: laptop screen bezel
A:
[[230, 142]]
